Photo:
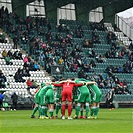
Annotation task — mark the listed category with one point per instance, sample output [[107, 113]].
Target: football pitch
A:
[[108, 121]]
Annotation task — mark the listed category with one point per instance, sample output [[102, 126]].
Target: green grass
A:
[[114, 121]]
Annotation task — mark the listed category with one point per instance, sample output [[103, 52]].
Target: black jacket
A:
[[14, 97]]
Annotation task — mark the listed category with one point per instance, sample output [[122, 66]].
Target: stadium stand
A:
[[70, 44]]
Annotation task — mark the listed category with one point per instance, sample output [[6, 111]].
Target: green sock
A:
[[77, 110], [81, 111], [60, 107], [87, 111], [34, 111], [92, 111], [39, 110], [45, 111], [57, 109], [51, 111], [97, 110]]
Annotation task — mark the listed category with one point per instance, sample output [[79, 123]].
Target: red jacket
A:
[[29, 83], [67, 86]]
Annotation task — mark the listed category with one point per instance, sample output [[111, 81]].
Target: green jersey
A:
[[95, 88], [37, 96], [49, 96], [82, 89], [58, 92], [95, 93], [83, 93], [42, 94], [44, 90]]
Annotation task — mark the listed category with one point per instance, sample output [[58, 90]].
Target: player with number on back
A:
[[67, 87]]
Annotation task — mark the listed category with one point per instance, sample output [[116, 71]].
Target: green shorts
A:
[[36, 100], [58, 98], [84, 98], [97, 97], [42, 100], [75, 98], [49, 99]]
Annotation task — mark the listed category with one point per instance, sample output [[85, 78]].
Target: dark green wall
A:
[[110, 8], [51, 9], [82, 11], [19, 7], [115, 7]]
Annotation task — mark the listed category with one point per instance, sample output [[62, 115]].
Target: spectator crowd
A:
[[55, 45]]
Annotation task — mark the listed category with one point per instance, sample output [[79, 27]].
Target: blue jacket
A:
[[1, 97]]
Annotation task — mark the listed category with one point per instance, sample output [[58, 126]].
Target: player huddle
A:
[[82, 92]]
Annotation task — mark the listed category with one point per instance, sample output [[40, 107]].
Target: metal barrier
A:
[[124, 27]]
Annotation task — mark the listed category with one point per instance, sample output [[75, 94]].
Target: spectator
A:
[[18, 77], [4, 53], [100, 59], [124, 83], [15, 41], [1, 100], [120, 56], [75, 67], [49, 26], [115, 70], [26, 72], [20, 55], [24, 39], [95, 38], [126, 91], [26, 64], [79, 32], [111, 37], [36, 67], [14, 98], [60, 61], [120, 69], [71, 68], [109, 70], [91, 53], [90, 68], [61, 28], [107, 54], [2, 80], [30, 84], [8, 60], [87, 43], [35, 85], [25, 59], [15, 55], [118, 90], [81, 74], [117, 54], [42, 56], [131, 46], [92, 62], [2, 38], [110, 98], [10, 54], [97, 26], [101, 84]]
